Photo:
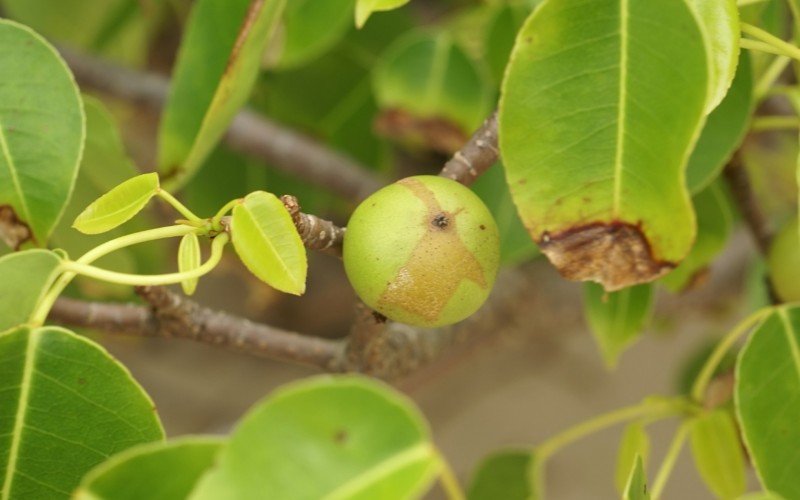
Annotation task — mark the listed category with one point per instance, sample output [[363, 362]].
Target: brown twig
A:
[[317, 234], [476, 156], [736, 176], [249, 133]]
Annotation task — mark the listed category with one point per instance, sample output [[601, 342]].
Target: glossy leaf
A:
[[310, 28], [767, 406], [617, 318], [156, 471], [337, 438], [714, 226], [26, 277], [634, 444], [42, 128], [718, 453], [118, 206], [720, 23], [217, 66], [601, 104], [65, 406], [724, 130], [509, 475], [188, 260], [267, 241], [365, 8], [636, 487]]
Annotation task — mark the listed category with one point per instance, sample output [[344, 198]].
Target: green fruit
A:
[[422, 251], [783, 263]]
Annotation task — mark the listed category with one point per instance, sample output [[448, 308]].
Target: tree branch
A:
[[317, 234], [476, 156], [249, 133], [739, 182]]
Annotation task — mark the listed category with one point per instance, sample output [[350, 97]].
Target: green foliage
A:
[[309, 29], [718, 453], [26, 277], [636, 487], [188, 260], [117, 206], [42, 128], [783, 262], [340, 438], [617, 318], [156, 471], [63, 399], [266, 240], [634, 445], [365, 8], [216, 69], [508, 475]]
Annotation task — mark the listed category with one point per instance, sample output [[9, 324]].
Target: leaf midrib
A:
[[13, 171], [623, 85], [789, 332]]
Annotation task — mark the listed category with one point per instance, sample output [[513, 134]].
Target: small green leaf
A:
[[66, 406], [636, 486], [327, 437], [783, 262], [617, 318], [767, 406], [117, 206], [634, 444], [155, 471], [188, 260], [365, 8], [26, 277], [267, 241], [310, 28], [217, 66], [510, 475], [42, 128], [718, 453]]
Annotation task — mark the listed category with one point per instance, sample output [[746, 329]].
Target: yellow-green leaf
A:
[[510, 475], [718, 453], [634, 444], [365, 8], [636, 486], [267, 241], [188, 260], [118, 205], [26, 277]]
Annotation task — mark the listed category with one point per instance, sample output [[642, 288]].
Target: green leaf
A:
[[500, 35], [718, 453], [635, 444], [117, 206], [714, 226], [365, 8], [767, 406], [783, 262], [761, 495], [617, 318], [155, 471], [425, 82], [26, 277], [42, 128], [267, 241], [189, 260], [65, 406], [509, 475], [327, 437], [636, 487], [217, 66], [601, 104], [724, 130], [310, 28], [720, 23]]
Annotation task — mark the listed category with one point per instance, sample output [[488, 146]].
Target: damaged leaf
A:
[[596, 123]]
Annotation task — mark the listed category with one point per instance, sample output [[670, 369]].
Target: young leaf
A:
[[634, 444], [217, 66], [156, 471], [601, 104], [117, 206], [724, 130], [617, 318], [636, 487], [510, 475], [720, 23], [767, 406], [267, 241], [342, 437], [365, 8], [189, 259], [42, 128], [718, 453], [64, 398], [26, 276]]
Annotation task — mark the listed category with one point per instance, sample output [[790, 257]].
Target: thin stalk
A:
[[701, 383], [156, 279], [670, 458], [225, 209], [177, 205], [748, 44], [762, 123], [785, 47], [448, 479], [770, 76]]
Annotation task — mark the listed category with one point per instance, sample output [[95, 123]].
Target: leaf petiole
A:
[[670, 458], [767, 42], [177, 205], [448, 479]]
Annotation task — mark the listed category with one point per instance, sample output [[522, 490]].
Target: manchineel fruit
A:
[[422, 251]]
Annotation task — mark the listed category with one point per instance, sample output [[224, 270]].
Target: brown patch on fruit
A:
[[437, 265], [436, 134], [616, 255], [13, 231]]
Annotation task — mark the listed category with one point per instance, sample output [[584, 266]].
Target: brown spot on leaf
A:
[[616, 255], [340, 437], [13, 231], [437, 265], [244, 31], [436, 134]]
